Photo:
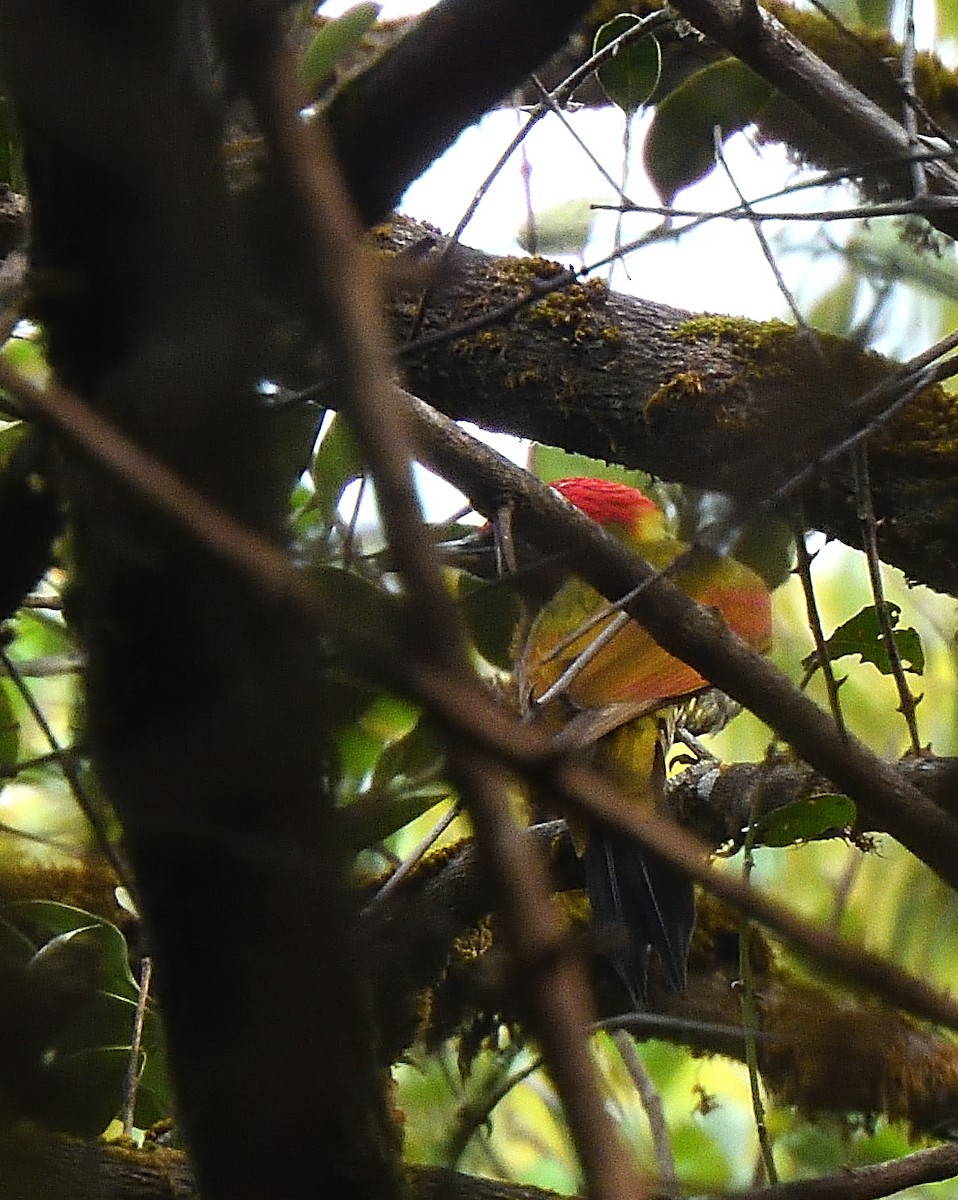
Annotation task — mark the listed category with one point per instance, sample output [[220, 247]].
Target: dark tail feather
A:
[[639, 903]]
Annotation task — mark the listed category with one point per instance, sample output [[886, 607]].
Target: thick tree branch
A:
[[38, 1165], [455, 63], [465, 710], [715, 799], [717, 402]]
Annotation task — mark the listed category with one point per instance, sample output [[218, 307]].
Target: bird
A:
[[619, 699]]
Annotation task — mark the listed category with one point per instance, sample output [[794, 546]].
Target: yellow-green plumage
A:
[[619, 704]]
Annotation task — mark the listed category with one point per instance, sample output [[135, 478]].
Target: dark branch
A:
[[458, 61]]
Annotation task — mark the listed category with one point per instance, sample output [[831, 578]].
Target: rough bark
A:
[[716, 402]]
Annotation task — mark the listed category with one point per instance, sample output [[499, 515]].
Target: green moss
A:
[[519, 380], [486, 342], [574, 311], [717, 328], [927, 427], [773, 348], [686, 385], [871, 60], [470, 946]]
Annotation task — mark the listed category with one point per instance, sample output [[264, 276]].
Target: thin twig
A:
[[551, 106], [864, 1183], [747, 995], [652, 1104], [909, 117], [409, 864], [907, 702], [856, 212], [53, 603], [804, 570], [475, 1112], [349, 537], [49, 666], [132, 1082]]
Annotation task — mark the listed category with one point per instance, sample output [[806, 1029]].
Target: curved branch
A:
[[455, 63]]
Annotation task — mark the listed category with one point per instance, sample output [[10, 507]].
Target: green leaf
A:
[[76, 934], [37, 634], [834, 311], [876, 13], [549, 463], [377, 815], [28, 356], [51, 916], [862, 635], [947, 14], [106, 947], [390, 717], [336, 462], [9, 731], [371, 608], [104, 1019], [629, 77], [805, 820], [701, 1155], [364, 735], [680, 148], [491, 612], [85, 1090], [12, 434], [332, 42], [562, 228], [416, 756]]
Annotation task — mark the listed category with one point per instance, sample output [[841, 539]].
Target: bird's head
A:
[[624, 511]]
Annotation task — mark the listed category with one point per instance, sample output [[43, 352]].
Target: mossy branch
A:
[[42, 1165], [716, 402]]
